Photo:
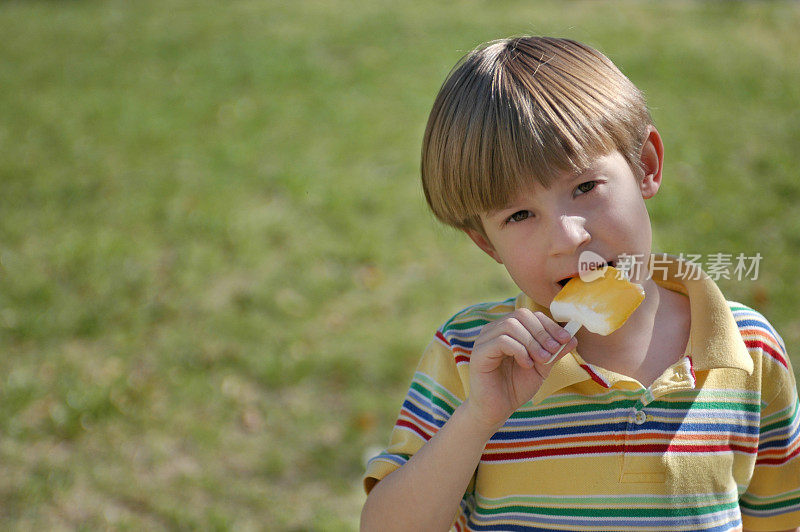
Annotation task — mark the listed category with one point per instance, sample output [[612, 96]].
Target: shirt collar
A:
[[714, 338]]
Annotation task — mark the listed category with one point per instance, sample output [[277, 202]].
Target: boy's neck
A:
[[654, 337]]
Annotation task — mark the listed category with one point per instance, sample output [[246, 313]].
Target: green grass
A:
[[217, 269]]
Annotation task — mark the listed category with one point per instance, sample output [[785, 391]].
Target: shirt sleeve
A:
[[436, 390], [772, 499]]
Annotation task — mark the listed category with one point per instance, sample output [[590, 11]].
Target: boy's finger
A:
[[513, 327], [524, 331], [569, 346], [554, 329], [536, 323], [511, 347]]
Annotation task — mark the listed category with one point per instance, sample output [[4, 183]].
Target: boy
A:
[[685, 418]]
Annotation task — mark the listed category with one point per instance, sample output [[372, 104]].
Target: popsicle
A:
[[601, 305]]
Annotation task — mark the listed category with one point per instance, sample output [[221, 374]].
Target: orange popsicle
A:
[[601, 305]]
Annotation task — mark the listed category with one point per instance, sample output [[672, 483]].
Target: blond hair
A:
[[523, 109]]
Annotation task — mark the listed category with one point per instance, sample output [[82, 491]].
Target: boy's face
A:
[[540, 235]]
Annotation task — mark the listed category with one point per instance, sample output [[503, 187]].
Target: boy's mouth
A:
[[565, 280]]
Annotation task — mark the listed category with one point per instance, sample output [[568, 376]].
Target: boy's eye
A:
[[519, 216], [583, 188]]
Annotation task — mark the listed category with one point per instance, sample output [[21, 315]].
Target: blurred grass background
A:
[[217, 270]]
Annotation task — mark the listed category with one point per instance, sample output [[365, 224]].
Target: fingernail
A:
[[563, 335]]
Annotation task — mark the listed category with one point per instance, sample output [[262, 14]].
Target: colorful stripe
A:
[[779, 440], [715, 511], [588, 368], [693, 422], [758, 334], [460, 331], [427, 407], [770, 506]]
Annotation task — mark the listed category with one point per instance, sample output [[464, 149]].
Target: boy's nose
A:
[[568, 234]]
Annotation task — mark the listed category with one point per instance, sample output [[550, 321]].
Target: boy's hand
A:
[[509, 363]]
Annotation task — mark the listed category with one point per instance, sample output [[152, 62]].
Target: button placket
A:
[[635, 418], [637, 465]]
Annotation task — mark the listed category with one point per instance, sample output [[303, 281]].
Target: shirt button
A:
[[640, 418]]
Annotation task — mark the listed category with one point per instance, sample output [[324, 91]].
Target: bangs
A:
[[524, 111]]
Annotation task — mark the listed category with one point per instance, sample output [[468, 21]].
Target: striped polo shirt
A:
[[712, 444]]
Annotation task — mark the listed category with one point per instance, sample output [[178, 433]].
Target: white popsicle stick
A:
[[572, 327]]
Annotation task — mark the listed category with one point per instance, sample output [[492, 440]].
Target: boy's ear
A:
[[482, 242], [652, 163]]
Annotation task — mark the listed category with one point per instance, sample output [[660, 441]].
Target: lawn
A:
[[217, 270]]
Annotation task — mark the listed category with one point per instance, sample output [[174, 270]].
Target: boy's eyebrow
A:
[[492, 213], [498, 209]]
